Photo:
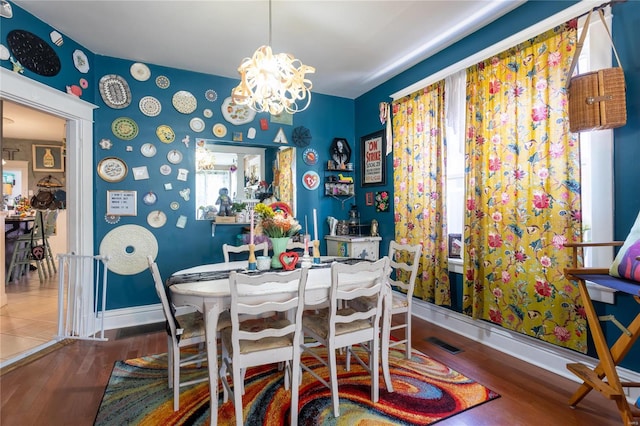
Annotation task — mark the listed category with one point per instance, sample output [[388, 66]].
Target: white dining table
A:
[[211, 297]]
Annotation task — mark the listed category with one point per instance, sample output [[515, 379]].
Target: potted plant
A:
[[239, 210]]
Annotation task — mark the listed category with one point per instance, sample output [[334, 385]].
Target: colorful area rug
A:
[[426, 391]]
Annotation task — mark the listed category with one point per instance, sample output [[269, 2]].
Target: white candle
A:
[[251, 228], [315, 225]]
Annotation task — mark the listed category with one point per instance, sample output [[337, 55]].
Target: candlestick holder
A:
[[316, 252], [253, 265]]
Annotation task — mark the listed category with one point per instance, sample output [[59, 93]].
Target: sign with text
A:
[[373, 159], [122, 203]]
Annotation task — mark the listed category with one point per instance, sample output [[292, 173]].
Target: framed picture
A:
[[373, 160], [48, 158], [122, 203], [455, 245], [369, 198]]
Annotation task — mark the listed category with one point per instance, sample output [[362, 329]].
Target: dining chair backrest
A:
[[227, 248], [296, 245], [362, 279], [167, 308], [272, 292], [50, 222], [404, 262]]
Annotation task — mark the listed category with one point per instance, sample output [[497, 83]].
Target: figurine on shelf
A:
[[333, 223], [224, 201], [374, 228]]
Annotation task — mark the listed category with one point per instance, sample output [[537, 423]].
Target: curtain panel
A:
[[419, 182], [523, 192]]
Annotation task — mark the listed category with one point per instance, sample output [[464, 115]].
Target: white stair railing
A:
[[80, 310]]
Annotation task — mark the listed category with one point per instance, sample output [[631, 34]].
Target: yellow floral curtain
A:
[[523, 191], [285, 176], [419, 175]]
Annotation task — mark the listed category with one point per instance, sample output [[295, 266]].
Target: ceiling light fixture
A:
[[273, 83]]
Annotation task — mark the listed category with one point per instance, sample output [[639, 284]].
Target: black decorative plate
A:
[[33, 53], [301, 136]]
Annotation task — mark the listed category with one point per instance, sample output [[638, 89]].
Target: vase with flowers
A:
[[279, 225]]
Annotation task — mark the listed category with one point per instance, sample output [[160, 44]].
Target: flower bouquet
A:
[[277, 223]]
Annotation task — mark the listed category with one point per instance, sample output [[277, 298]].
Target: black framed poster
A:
[[373, 160]]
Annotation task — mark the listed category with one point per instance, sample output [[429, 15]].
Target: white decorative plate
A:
[[162, 81], [207, 112], [220, 130], [197, 124], [150, 198], [140, 71], [148, 150], [165, 133], [150, 106], [4, 52], [80, 61], [115, 91], [174, 156], [112, 169], [128, 247], [174, 205], [184, 102], [211, 95], [165, 169], [156, 219], [236, 114]]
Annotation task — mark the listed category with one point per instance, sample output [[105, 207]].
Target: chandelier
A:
[[273, 83]]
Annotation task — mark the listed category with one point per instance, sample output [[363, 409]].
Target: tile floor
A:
[[30, 318]]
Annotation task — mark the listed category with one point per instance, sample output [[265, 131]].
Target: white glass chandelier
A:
[[273, 83]]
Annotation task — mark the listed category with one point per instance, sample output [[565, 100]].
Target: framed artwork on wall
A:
[[373, 160], [47, 158]]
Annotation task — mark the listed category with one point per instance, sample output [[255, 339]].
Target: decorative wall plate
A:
[[150, 198], [301, 136], [184, 102], [211, 95], [80, 61], [115, 91], [165, 170], [128, 247], [174, 156], [150, 106], [197, 124], [165, 133], [5, 9], [112, 169], [4, 52], [174, 205], [207, 112], [140, 173], [124, 128], [310, 156], [236, 114], [220, 130], [33, 53], [311, 180], [148, 150], [156, 219], [162, 81], [56, 38], [140, 71]]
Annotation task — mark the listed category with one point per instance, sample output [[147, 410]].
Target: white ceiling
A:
[[354, 45]]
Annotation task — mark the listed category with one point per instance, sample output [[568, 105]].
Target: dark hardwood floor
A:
[[65, 387]]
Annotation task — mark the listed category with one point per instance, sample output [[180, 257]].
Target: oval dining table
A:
[[206, 288]]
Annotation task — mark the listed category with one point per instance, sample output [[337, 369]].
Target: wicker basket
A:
[[597, 100]]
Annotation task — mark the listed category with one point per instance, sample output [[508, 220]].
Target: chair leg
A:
[[295, 382], [237, 393], [407, 334], [170, 362], [333, 375], [176, 377], [374, 362]]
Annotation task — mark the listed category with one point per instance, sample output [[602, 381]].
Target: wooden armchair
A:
[[604, 377]]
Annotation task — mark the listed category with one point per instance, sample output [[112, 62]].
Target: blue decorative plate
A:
[[310, 156]]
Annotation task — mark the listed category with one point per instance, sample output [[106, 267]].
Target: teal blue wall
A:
[[327, 117], [627, 139]]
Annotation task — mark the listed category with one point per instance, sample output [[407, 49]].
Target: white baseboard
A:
[[536, 352]]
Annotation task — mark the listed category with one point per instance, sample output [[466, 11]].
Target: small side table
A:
[[361, 247]]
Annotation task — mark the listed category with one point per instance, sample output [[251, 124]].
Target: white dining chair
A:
[[341, 327], [228, 248], [273, 339], [182, 331]]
